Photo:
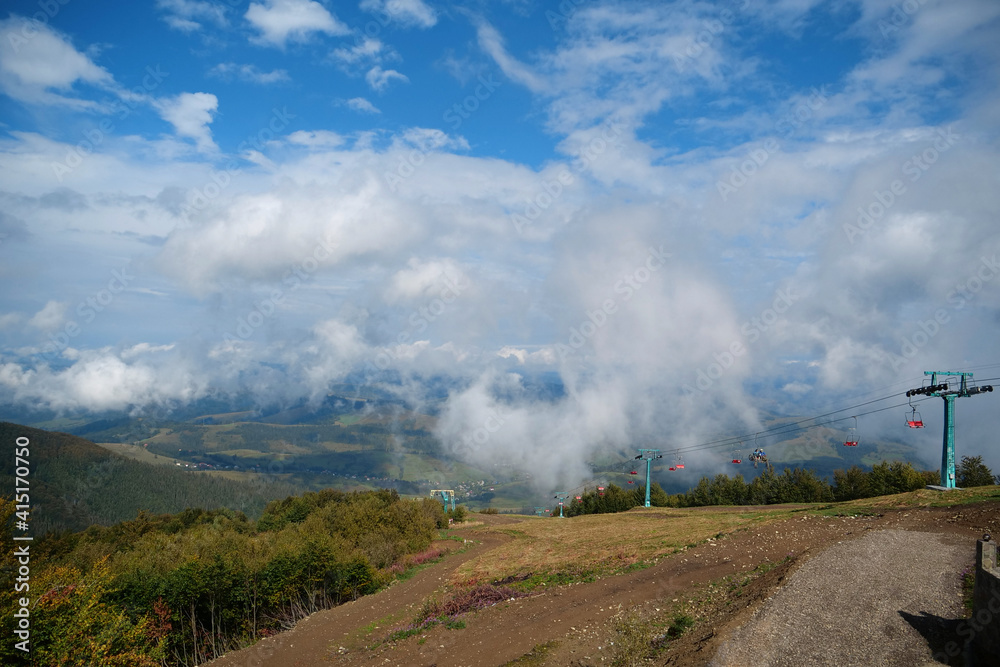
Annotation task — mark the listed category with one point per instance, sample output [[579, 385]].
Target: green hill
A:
[[74, 483]]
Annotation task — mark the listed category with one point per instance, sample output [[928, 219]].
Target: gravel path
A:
[[843, 607]]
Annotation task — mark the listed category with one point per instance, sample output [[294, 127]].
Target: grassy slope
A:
[[564, 550]]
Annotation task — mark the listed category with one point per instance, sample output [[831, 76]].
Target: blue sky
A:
[[790, 202]]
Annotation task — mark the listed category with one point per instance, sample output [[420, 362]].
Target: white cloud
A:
[[379, 78], [103, 380], [188, 15], [422, 279], [407, 12], [51, 316], [429, 139], [492, 43], [40, 66], [9, 320], [361, 105], [368, 50], [191, 114], [248, 74], [316, 139], [281, 21], [357, 230]]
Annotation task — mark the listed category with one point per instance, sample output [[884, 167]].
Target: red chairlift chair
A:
[[852, 435], [914, 420]]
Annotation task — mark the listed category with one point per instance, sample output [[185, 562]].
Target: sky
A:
[[695, 215]]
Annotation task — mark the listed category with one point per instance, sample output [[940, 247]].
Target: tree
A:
[[850, 484], [971, 471]]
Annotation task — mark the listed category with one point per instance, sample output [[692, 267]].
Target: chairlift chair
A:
[[914, 420], [852, 435]]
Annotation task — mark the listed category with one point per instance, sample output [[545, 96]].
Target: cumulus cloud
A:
[[408, 12], [102, 380], [191, 15], [367, 50], [379, 78], [282, 21], [248, 74], [361, 105], [628, 289], [191, 114], [317, 139], [50, 317], [41, 66]]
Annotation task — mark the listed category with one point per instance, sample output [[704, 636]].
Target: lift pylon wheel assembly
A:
[[966, 388]]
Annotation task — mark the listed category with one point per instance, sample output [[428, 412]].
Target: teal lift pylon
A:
[[561, 496], [648, 455], [446, 495], [949, 395]]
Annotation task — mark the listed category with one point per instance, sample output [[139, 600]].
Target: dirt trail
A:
[[850, 605]]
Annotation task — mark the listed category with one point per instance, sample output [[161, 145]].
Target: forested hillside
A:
[[74, 483], [181, 589]]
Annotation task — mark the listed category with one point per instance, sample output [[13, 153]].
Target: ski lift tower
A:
[[445, 495], [648, 455], [949, 395], [561, 496]]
